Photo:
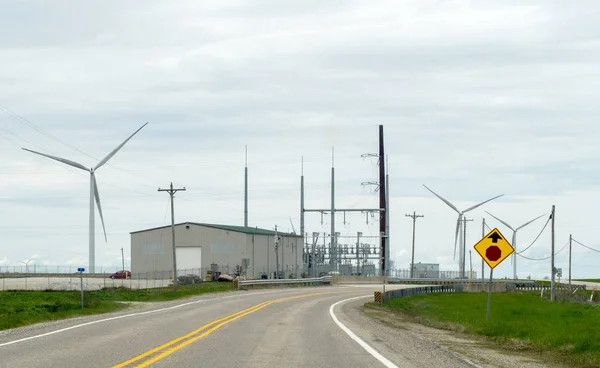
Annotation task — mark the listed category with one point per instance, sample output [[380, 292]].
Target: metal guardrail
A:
[[400, 293], [427, 281], [325, 280]]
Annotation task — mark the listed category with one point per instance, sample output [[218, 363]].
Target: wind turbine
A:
[[514, 239], [26, 263], [93, 194], [459, 225]]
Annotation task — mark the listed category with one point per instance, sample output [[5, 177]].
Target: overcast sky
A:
[[476, 98]]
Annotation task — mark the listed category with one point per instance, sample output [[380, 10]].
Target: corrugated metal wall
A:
[[151, 250]]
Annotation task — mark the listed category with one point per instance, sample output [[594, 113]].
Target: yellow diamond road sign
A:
[[494, 248]]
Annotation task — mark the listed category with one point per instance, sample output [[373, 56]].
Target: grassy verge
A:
[[20, 308], [563, 331], [590, 280]]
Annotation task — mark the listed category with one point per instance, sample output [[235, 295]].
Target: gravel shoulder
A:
[[474, 350]]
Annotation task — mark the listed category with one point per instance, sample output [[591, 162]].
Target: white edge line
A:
[[128, 315], [353, 336]]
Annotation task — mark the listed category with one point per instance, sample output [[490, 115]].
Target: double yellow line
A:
[[160, 352]]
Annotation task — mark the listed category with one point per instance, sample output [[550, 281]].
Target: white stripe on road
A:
[[131, 315], [353, 336]]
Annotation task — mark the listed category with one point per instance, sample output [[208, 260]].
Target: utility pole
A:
[[552, 283], [246, 192], [470, 265], [358, 247], [315, 264], [332, 246], [482, 262], [414, 216], [387, 216], [464, 250], [302, 197], [382, 203], [123, 258], [172, 192], [276, 253], [570, 244]]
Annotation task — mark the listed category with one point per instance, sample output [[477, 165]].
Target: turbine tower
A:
[[459, 225], [514, 239], [93, 194]]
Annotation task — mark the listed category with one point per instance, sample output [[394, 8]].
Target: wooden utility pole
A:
[[570, 245], [172, 192], [552, 283], [464, 250], [414, 216]]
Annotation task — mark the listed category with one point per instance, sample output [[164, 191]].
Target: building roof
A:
[[239, 229]]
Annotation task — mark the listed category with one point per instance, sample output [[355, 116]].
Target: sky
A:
[[476, 98]]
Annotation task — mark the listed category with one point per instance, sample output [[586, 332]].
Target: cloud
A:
[[477, 99]]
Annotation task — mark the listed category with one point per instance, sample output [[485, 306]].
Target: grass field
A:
[[590, 280], [20, 308], [564, 331]]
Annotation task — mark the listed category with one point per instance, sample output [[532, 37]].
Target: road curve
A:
[[308, 327]]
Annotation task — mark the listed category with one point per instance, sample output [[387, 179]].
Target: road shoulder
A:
[[478, 351]]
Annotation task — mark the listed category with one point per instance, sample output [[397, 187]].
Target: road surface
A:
[[304, 327]]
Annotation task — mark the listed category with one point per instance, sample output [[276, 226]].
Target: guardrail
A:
[[400, 293], [426, 281], [325, 280]]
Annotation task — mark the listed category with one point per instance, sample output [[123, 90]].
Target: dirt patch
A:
[[480, 351]]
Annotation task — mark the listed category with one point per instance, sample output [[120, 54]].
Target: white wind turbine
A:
[[514, 239], [93, 194], [459, 225]]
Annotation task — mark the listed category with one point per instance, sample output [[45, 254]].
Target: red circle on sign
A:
[[493, 253]]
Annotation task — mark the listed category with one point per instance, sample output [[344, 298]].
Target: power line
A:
[[537, 237], [590, 248], [543, 259], [31, 125]]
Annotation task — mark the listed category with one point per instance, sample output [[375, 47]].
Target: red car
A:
[[123, 274]]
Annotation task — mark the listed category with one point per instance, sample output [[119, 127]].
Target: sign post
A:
[[493, 248], [81, 270]]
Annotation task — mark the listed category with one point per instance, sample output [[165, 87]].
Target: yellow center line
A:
[[217, 324], [172, 342]]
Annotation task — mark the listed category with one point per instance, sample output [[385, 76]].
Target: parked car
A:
[[189, 279], [123, 274]]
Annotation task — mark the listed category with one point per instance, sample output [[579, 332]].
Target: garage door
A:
[[189, 260]]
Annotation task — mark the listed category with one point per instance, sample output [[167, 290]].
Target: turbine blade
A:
[[97, 195], [504, 223], [444, 200], [456, 235], [482, 203], [525, 224], [114, 152], [59, 159]]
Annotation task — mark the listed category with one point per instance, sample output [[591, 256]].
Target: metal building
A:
[[427, 270], [227, 249]]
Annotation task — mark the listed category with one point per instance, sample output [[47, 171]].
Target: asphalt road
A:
[[308, 327]]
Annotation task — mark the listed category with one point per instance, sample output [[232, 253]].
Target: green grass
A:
[[569, 330], [590, 280], [20, 308]]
